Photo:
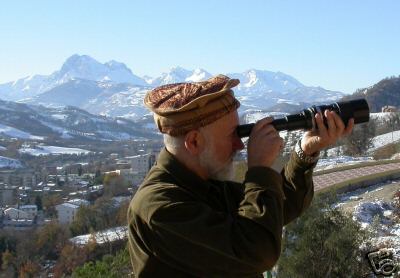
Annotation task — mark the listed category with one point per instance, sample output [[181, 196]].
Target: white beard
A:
[[216, 170]]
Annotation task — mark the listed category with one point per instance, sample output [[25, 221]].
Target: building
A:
[[15, 214], [31, 210], [66, 212], [19, 177], [14, 218], [8, 195], [389, 108], [142, 163], [128, 175], [114, 155]]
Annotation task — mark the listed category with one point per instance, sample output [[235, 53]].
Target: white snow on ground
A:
[[388, 229], [6, 162], [2, 148], [388, 232], [109, 235], [366, 212], [51, 150], [385, 139], [378, 142], [380, 115], [332, 162], [13, 132], [64, 133]]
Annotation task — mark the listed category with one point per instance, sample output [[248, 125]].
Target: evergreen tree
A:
[[38, 202], [117, 266], [324, 242], [360, 140]]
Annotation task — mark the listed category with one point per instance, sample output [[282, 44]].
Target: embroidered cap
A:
[[181, 107]]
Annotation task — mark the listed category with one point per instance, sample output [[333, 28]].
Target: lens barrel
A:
[[357, 109]]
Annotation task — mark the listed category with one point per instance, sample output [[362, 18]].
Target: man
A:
[[185, 220]]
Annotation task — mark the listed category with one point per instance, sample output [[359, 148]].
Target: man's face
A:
[[222, 143]]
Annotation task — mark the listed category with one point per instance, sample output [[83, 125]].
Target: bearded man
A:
[[187, 219]]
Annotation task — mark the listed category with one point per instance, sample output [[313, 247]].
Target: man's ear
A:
[[194, 142]]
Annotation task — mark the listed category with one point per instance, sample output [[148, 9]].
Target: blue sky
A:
[[339, 45]]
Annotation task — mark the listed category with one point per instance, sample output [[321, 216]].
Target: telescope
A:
[[357, 109]]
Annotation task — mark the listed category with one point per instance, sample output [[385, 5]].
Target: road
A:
[[326, 180]]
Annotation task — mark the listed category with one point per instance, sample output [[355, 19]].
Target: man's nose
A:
[[237, 144]]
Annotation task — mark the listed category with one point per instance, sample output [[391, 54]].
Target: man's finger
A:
[[339, 124], [261, 123], [320, 125], [349, 127], [331, 123]]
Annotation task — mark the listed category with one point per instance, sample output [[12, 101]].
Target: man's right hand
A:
[[264, 144]]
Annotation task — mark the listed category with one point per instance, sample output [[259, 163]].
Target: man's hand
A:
[[317, 139], [264, 144]]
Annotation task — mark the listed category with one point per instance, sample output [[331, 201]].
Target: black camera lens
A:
[[357, 109]]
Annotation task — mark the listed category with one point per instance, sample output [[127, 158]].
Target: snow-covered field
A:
[[109, 235], [51, 150], [332, 162], [13, 132], [6, 162], [385, 139], [374, 209]]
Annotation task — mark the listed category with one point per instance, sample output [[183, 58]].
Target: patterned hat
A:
[[181, 107]]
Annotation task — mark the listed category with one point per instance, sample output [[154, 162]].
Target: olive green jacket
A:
[[183, 226]]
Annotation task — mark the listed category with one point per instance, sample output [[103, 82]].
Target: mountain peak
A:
[[80, 65], [116, 65], [198, 75], [85, 67], [77, 59], [178, 70]]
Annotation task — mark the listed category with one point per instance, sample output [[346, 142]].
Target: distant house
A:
[[114, 155], [8, 195], [17, 219], [142, 163], [15, 214], [19, 177], [31, 210], [389, 108], [66, 211]]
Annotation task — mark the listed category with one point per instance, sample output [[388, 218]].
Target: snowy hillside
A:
[[16, 133], [50, 150], [38, 123], [376, 203], [385, 139], [9, 163]]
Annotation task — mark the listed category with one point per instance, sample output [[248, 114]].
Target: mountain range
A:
[[33, 122], [111, 89], [385, 92]]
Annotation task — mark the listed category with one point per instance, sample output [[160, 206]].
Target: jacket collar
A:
[[185, 177]]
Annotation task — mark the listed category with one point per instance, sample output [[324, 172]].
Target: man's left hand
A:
[[315, 140]]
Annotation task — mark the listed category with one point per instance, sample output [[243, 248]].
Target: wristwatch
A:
[[303, 156]]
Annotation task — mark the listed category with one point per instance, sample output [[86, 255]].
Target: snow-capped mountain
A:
[[253, 80], [101, 98], [177, 75], [260, 89], [111, 89], [75, 67], [85, 67]]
